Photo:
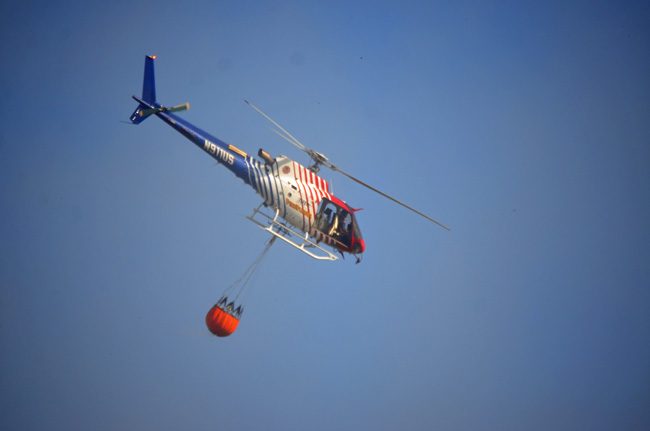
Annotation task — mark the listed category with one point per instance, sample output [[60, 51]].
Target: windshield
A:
[[335, 221]]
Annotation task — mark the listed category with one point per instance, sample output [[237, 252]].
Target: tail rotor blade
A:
[[149, 111], [182, 107]]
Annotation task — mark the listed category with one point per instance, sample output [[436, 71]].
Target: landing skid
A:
[[282, 230]]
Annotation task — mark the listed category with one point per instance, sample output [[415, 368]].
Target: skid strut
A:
[[287, 234]]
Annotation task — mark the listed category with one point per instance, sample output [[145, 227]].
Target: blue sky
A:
[[523, 126]]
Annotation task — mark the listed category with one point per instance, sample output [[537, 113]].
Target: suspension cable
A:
[[239, 285]]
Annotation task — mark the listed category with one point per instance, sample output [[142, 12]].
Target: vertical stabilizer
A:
[[148, 92], [149, 82]]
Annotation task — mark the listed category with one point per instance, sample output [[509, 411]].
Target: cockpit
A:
[[338, 223]]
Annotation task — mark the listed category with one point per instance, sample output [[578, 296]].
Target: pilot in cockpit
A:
[[334, 227]]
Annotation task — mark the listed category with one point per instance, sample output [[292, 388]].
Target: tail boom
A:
[[250, 170]]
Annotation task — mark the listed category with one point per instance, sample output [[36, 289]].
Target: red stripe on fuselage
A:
[[310, 197], [296, 171]]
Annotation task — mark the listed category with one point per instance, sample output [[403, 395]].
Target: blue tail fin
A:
[[148, 91], [149, 82]]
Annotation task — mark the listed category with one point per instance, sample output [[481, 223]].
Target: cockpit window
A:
[[335, 221]]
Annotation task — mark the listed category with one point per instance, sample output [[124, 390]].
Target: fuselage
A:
[[300, 196]]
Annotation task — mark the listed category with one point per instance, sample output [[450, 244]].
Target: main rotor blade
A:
[[288, 136], [321, 159], [283, 136], [356, 180]]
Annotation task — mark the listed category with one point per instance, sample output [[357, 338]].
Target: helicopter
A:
[[298, 205]]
